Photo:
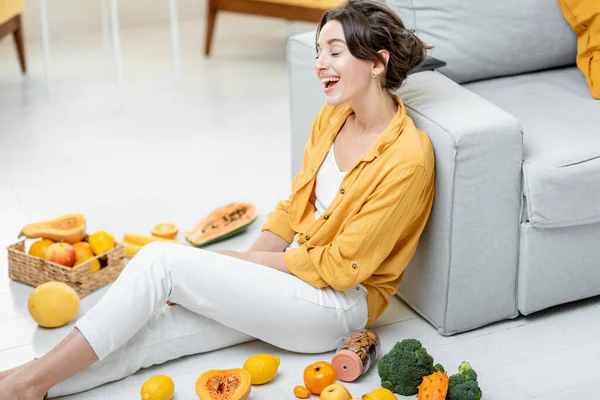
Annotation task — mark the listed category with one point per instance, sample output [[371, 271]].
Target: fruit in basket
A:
[[222, 223], [262, 368], [53, 304], [165, 230], [335, 391], [229, 384], [68, 228], [95, 265], [159, 387], [38, 249], [101, 241], [319, 375], [83, 252], [61, 253]]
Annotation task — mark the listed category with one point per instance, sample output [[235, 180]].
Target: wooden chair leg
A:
[[210, 25], [20, 44]]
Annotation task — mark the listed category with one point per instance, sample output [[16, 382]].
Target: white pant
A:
[[222, 301]]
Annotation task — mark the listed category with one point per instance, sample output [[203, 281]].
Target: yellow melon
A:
[[53, 304]]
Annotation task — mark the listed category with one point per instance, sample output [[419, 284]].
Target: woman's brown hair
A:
[[370, 26]]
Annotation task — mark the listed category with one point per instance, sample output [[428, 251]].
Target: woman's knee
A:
[[154, 253], [153, 250]]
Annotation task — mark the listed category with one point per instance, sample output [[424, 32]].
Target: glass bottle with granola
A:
[[356, 355]]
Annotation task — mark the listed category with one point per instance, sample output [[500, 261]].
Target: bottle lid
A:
[[347, 364]]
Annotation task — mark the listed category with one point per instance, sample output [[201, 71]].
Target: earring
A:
[[373, 74]]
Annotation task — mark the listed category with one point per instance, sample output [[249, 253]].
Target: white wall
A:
[[75, 17]]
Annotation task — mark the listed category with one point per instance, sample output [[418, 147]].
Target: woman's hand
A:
[[267, 258]]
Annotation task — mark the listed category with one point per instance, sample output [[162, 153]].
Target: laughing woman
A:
[[354, 217]]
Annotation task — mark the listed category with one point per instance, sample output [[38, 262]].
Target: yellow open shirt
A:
[[370, 232]]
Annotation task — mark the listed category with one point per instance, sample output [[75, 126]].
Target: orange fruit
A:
[[38, 249], [301, 392], [165, 230], [83, 251], [318, 376]]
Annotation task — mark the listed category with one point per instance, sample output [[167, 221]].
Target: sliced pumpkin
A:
[[224, 384], [68, 228], [165, 230], [222, 223]]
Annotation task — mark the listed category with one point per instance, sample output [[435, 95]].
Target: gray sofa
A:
[[515, 227]]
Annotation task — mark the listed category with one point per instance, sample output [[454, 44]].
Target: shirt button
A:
[[354, 265], [307, 237], [342, 191], [326, 217]]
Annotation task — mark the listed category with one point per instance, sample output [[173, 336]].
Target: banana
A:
[[130, 248], [142, 240]]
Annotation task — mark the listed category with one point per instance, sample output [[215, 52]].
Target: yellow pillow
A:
[[584, 18], [10, 8]]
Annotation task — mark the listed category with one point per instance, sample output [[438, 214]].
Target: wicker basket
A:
[[34, 271]]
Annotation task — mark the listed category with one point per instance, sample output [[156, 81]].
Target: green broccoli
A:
[[403, 368], [464, 385]]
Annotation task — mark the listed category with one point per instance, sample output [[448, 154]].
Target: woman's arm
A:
[[392, 217], [269, 259], [268, 241]]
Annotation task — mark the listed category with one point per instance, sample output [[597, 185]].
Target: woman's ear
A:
[[379, 67]]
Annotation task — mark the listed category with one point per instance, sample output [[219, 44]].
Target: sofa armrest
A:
[[463, 274]]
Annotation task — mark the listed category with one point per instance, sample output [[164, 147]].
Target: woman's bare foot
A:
[[19, 386], [4, 374]]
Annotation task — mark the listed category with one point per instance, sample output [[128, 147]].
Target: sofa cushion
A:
[[584, 18], [489, 38], [561, 143]]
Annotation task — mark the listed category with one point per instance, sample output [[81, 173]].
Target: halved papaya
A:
[[68, 228], [226, 384], [222, 223]]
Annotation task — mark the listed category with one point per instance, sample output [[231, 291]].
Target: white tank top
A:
[[329, 179]]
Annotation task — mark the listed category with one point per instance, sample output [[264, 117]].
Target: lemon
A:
[[380, 394], [159, 387], [101, 241], [262, 368]]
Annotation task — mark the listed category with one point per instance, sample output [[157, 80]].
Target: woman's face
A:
[[343, 76]]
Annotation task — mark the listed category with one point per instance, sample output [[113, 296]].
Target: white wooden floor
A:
[[169, 150]]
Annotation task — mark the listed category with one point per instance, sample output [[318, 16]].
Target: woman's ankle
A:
[[22, 384]]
